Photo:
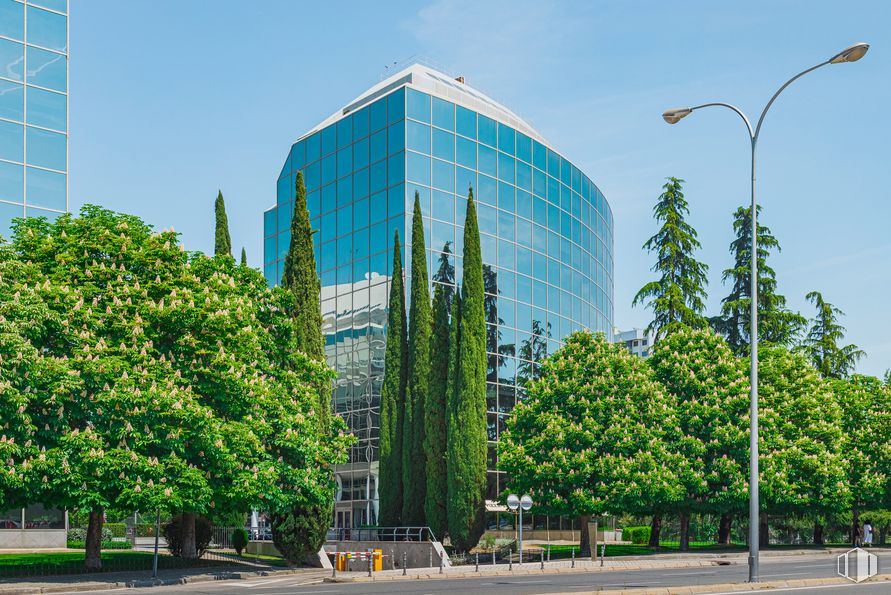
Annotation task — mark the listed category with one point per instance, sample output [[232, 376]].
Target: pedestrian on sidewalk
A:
[[867, 534]]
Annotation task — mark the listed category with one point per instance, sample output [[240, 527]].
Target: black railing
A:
[[381, 534]]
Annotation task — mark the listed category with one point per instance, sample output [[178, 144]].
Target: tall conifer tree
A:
[[822, 344], [467, 407], [222, 243], [393, 399], [776, 323], [678, 296], [243, 257], [414, 466]]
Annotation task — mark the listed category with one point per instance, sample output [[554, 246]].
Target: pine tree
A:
[[467, 436], [223, 243], [244, 262], [303, 528], [393, 399], [822, 344], [678, 296], [776, 323], [435, 430], [417, 391]]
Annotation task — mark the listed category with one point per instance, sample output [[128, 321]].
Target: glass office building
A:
[[546, 233], [33, 109]]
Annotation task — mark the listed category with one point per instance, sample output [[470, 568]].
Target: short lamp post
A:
[[519, 504], [673, 116]]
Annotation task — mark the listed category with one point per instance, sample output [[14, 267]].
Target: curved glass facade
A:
[[546, 232]]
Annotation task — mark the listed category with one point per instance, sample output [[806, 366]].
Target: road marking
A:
[[264, 583]]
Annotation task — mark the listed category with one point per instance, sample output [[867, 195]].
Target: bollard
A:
[[370, 562], [404, 564], [441, 564], [602, 553], [510, 559], [477, 562], [431, 557], [392, 560], [573, 557], [542, 559], [549, 552], [494, 551]]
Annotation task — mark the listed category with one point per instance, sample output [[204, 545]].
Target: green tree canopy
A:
[[822, 343], [776, 323], [677, 297]]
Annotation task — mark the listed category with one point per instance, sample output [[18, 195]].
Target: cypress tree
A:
[[776, 323], [393, 399], [435, 430], [303, 528], [678, 296], [822, 344], [243, 257], [467, 408], [223, 243], [413, 459]]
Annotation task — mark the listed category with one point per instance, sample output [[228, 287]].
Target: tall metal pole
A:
[[753, 394], [521, 535]]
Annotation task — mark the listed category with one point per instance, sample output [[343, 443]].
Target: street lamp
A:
[[521, 504], [673, 116]]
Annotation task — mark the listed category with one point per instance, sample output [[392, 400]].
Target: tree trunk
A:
[[763, 530], [724, 526], [190, 550], [655, 529], [685, 532], [93, 546], [855, 526], [585, 540], [883, 535], [818, 534]]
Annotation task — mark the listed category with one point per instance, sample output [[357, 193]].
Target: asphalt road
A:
[[780, 568]]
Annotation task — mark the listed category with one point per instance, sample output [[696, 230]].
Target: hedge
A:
[[636, 535], [106, 545]]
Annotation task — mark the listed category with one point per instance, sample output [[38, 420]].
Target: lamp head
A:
[[673, 116], [850, 53]]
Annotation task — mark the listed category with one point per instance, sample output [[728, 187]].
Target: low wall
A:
[[263, 548], [418, 554], [26, 539]]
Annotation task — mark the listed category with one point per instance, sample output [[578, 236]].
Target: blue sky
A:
[[171, 100]]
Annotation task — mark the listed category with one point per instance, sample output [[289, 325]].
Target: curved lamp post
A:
[[673, 116]]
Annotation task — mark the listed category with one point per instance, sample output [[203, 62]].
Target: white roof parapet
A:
[[428, 80]]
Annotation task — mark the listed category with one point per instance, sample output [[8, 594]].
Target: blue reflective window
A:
[[444, 206], [329, 169], [443, 114], [506, 168], [396, 206], [47, 29], [328, 229], [423, 198], [576, 179], [46, 149], [506, 198], [524, 258], [268, 218], [524, 147], [378, 207], [553, 191], [488, 219], [442, 234], [360, 123], [396, 137], [466, 122], [506, 139], [540, 266], [524, 204], [488, 130], [360, 213], [540, 209], [378, 146], [360, 245], [12, 100], [539, 156], [57, 5], [507, 288], [329, 197], [539, 183], [360, 183], [344, 253], [11, 182], [418, 168], [284, 243], [298, 155], [524, 176], [488, 161], [269, 248], [506, 225], [345, 220], [396, 169], [417, 137], [314, 204], [443, 145], [488, 190], [360, 154], [46, 189], [344, 191], [329, 140], [312, 176], [553, 164], [443, 175], [565, 171], [12, 19], [465, 179], [344, 132], [396, 106], [417, 106], [489, 249], [12, 59], [377, 113], [378, 176], [466, 152], [344, 161], [313, 147]]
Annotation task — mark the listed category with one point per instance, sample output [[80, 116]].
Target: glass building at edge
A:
[[33, 110], [546, 231]]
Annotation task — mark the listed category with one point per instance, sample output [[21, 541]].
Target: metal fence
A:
[[381, 534]]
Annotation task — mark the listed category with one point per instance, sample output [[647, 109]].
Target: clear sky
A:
[[174, 99]]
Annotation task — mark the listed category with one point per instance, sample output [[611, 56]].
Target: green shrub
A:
[[239, 540], [172, 532], [117, 529], [636, 535], [106, 545], [80, 534]]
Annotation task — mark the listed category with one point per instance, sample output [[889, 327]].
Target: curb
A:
[[732, 587]]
